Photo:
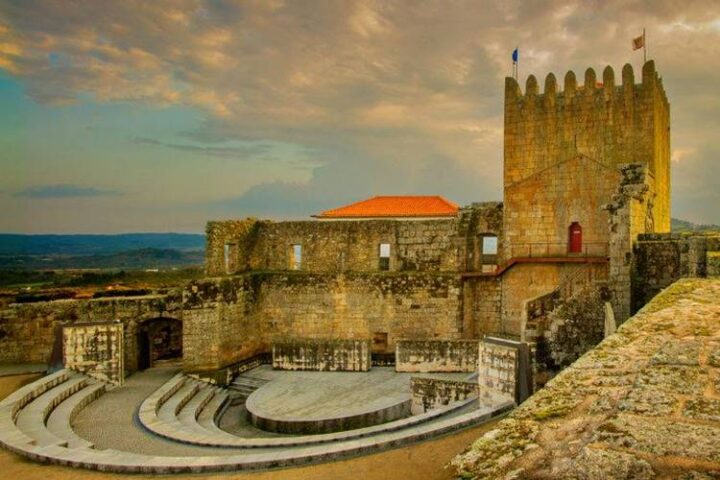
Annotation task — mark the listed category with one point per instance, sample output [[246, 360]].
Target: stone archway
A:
[[159, 340]]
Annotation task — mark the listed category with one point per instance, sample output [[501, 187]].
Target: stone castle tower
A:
[[562, 156], [606, 124]]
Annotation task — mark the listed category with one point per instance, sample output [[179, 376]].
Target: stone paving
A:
[[644, 404], [115, 411]]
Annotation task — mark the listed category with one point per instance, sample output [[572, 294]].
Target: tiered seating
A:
[[35, 422]]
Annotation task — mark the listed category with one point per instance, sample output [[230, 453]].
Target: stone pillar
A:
[[628, 211]]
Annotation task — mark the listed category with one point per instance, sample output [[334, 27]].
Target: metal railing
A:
[[540, 250]]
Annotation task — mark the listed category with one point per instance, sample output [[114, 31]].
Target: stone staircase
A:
[[243, 386]]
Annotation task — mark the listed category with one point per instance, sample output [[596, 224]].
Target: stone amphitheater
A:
[[162, 421]]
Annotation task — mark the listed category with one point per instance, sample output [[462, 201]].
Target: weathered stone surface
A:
[[95, 350], [436, 355], [643, 404], [330, 355]]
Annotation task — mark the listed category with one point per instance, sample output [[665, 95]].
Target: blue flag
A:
[[515, 55]]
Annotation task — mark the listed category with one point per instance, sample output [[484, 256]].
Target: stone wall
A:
[[630, 215], [229, 319], [453, 244], [482, 304], [322, 355], [29, 332], [430, 393], [643, 404], [662, 259], [436, 355], [95, 350], [498, 369], [228, 245], [506, 370]]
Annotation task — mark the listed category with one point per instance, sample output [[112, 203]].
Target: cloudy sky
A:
[[156, 116]]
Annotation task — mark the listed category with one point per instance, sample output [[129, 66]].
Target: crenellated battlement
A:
[[651, 83], [613, 122]]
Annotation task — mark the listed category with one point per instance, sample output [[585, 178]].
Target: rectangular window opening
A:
[[490, 245], [384, 256], [296, 259], [227, 257]]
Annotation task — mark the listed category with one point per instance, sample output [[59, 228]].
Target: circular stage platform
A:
[[325, 402]]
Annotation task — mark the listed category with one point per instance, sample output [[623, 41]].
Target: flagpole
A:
[[644, 47]]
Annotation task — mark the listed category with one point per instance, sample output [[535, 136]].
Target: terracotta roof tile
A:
[[395, 206]]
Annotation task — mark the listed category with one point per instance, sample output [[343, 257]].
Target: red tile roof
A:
[[395, 206]]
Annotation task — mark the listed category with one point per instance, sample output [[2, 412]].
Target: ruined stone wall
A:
[[477, 221], [354, 246], [430, 393], [29, 331], [218, 326], [228, 320], [228, 245], [453, 244], [661, 259], [498, 370], [611, 125], [436, 355], [332, 355], [482, 304], [95, 350], [630, 216]]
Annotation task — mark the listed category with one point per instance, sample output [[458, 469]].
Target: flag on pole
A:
[[639, 42], [515, 55]]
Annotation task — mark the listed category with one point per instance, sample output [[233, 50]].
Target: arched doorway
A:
[[575, 238], [159, 341]]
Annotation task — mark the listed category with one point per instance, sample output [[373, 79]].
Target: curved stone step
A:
[[32, 419], [204, 430], [60, 420], [188, 416], [125, 462], [209, 415]]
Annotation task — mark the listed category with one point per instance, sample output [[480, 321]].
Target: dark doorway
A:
[[575, 238], [159, 339]]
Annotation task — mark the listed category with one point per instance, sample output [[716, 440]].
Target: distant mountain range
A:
[[16, 244], [678, 225]]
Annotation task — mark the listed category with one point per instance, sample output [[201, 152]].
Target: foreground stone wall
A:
[[322, 355], [430, 393], [642, 405], [436, 355], [95, 350]]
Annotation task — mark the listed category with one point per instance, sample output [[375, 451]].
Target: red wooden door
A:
[[575, 234]]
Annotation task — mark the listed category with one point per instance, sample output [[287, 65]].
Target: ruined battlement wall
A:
[[28, 331], [661, 259], [454, 244], [230, 319], [610, 124], [642, 404]]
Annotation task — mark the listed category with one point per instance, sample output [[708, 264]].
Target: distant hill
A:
[[677, 225], [14, 244], [142, 258]]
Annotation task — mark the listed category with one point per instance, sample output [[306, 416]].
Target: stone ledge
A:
[[622, 410]]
